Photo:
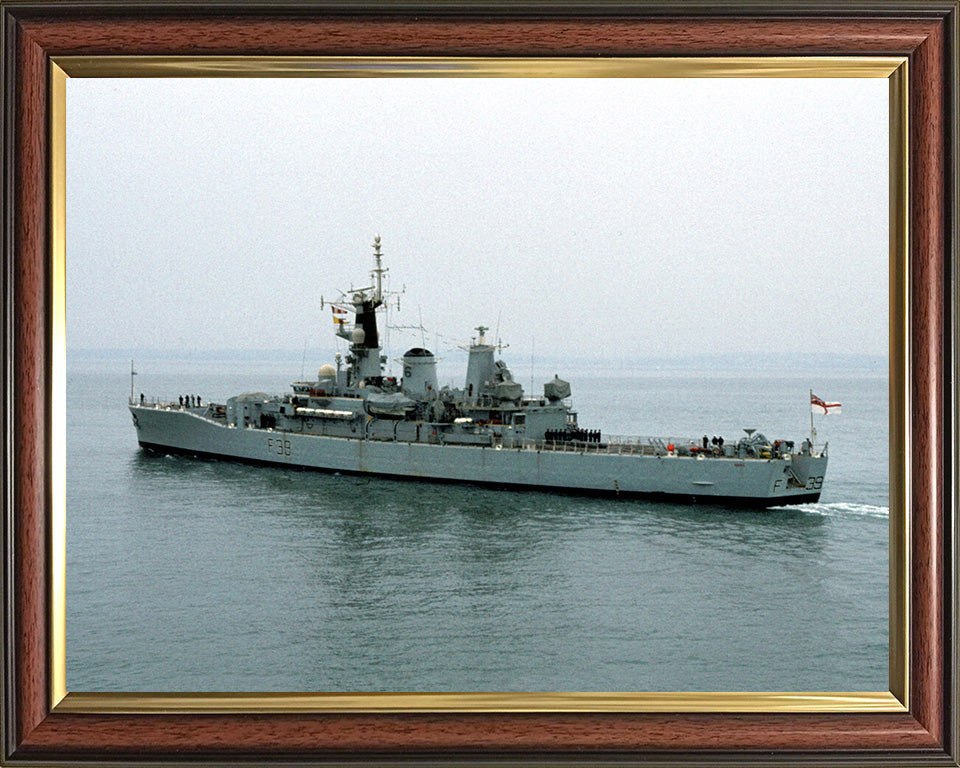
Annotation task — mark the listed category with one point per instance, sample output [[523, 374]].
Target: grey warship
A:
[[355, 419]]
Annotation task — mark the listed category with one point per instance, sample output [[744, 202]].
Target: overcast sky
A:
[[602, 217]]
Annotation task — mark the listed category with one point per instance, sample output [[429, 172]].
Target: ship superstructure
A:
[[353, 418]]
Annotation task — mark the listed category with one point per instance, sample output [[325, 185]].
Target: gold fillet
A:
[[58, 383], [900, 428], [893, 68], [425, 66], [738, 701]]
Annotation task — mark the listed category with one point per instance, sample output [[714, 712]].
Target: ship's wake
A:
[[844, 508]]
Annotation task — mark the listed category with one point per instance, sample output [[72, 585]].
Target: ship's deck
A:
[[623, 445]]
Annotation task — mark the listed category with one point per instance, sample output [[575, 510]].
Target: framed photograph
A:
[[804, 140]]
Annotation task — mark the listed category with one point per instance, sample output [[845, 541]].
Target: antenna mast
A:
[[379, 270], [533, 349]]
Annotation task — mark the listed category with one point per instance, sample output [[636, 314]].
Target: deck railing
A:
[[629, 446], [640, 446], [636, 445]]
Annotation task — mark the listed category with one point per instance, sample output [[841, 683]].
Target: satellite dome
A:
[[326, 370]]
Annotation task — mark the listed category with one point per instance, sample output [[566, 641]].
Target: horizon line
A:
[[127, 351]]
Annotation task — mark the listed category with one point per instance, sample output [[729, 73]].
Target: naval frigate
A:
[[355, 419]]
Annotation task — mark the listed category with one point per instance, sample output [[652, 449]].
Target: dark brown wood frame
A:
[[925, 32]]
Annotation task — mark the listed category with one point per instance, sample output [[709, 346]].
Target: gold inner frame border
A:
[[894, 69]]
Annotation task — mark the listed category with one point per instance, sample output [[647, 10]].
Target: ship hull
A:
[[746, 482]]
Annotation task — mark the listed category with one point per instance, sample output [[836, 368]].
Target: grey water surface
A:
[[189, 575]]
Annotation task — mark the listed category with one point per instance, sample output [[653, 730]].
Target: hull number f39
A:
[[278, 446]]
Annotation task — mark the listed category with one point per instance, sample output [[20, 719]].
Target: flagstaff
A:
[[813, 430], [818, 405]]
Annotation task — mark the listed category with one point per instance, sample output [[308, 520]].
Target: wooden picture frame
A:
[[38, 728]]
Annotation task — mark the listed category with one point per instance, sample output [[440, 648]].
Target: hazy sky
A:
[[601, 217]]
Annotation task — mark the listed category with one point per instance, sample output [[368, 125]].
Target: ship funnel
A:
[[419, 373], [480, 367]]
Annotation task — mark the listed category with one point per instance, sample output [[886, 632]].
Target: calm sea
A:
[[188, 575]]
